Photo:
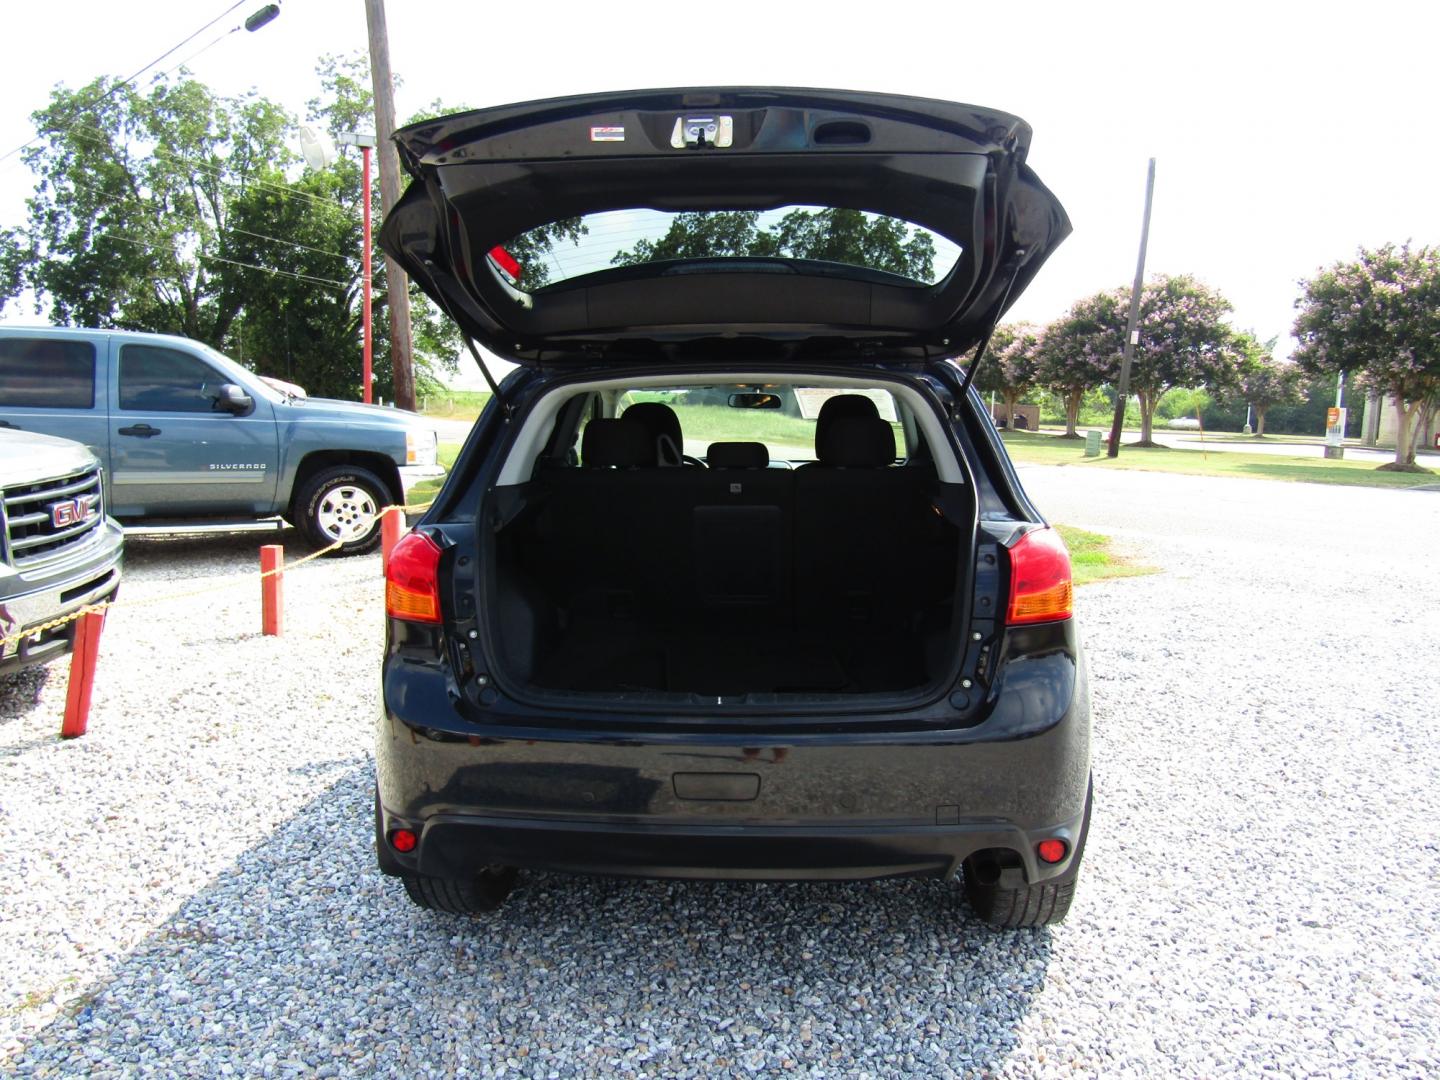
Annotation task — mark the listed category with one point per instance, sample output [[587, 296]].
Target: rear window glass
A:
[[848, 238], [707, 415], [45, 373]]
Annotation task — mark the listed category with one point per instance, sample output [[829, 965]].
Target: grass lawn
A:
[[455, 404], [1042, 449], [1092, 560]]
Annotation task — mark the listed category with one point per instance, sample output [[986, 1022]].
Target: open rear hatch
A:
[[531, 180]]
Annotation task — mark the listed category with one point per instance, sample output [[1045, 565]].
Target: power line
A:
[[128, 201], [236, 262], [292, 243], [126, 82], [219, 174]]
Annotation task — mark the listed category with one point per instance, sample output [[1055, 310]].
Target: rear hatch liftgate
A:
[[483, 178]]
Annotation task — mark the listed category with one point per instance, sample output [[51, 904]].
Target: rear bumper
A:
[[459, 846], [722, 803]]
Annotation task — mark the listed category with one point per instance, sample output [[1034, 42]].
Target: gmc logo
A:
[[72, 511]]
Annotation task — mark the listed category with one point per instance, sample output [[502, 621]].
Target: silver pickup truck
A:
[[187, 436], [59, 551]]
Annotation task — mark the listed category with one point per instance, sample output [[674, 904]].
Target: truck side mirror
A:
[[232, 399]]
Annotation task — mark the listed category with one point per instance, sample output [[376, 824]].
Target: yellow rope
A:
[[53, 624]]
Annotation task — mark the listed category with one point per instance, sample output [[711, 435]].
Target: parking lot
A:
[[190, 887]]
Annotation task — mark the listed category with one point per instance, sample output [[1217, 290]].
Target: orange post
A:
[[391, 525], [272, 563], [82, 674]]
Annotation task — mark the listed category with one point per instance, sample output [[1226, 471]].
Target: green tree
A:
[[134, 188], [1378, 316], [1011, 364]]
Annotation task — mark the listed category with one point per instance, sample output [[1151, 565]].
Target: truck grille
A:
[[46, 520]]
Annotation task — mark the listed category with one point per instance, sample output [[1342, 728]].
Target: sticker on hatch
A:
[[607, 134]]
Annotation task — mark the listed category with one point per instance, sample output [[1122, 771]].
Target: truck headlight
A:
[[420, 447]]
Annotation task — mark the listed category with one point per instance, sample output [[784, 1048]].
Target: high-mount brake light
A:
[[412, 580], [507, 263], [1040, 584]]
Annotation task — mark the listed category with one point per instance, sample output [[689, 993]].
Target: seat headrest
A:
[[835, 409], [856, 442], [621, 443], [738, 455], [663, 426]]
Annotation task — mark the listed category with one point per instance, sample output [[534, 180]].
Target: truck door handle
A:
[[144, 431]]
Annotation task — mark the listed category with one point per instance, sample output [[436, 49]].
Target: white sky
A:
[[1287, 134]]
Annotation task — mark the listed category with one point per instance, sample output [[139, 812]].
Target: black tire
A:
[[1029, 905], [335, 503], [482, 894], [1021, 905]]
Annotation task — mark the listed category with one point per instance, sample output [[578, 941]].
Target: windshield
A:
[[851, 238]]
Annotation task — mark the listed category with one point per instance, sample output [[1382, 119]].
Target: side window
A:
[[46, 373], [157, 379]]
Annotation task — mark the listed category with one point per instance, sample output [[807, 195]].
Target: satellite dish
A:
[[316, 148]]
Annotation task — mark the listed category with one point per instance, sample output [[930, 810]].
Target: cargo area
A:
[[836, 577]]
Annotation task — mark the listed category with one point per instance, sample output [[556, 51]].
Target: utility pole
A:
[[397, 284], [1132, 333]]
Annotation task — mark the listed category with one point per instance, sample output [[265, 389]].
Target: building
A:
[[1379, 424]]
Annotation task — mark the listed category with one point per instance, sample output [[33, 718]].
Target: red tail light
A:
[[412, 581], [1040, 587], [506, 262]]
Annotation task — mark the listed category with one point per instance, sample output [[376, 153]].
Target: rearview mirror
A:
[[754, 401], [232, 399]]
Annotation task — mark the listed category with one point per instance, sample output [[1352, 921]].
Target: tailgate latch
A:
[[698, 132]]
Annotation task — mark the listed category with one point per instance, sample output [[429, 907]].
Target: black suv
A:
[[733, 578]]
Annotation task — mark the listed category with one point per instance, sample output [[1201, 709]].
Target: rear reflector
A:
[[1051, 851], [403, 840], [1040, 588], [412, 581]]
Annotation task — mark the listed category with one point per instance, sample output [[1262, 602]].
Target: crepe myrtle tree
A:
[[1076, 353], [1378, 316], [1264, 380], [1011, 364], [1184, 341]]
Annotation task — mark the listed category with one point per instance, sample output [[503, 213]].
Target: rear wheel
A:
[[483, 893], [1027, 905], [996, 889]]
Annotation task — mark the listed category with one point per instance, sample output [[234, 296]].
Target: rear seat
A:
[[856, 526], [625, 539], [743, 528]]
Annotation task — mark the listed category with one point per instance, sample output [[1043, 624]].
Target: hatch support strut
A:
[[439, 295], [990, 330], [489, 379]]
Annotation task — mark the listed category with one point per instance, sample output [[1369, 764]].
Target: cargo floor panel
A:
[[615, 658]]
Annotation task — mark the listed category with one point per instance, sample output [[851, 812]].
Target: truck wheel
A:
[[475, 897], [341, 503]]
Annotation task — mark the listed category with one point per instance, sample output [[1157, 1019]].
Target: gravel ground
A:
[[189, 888]]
